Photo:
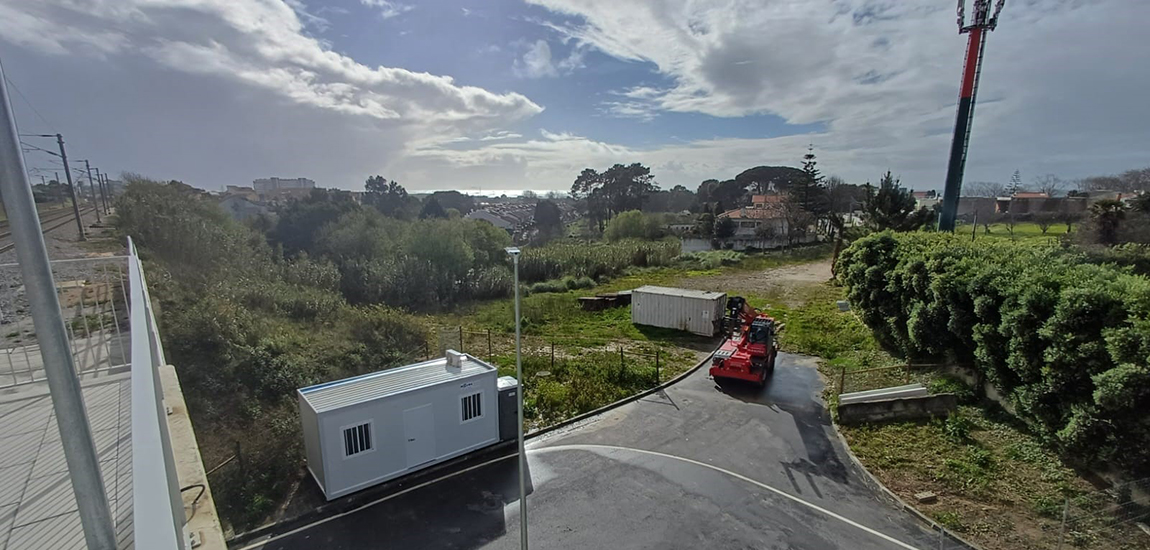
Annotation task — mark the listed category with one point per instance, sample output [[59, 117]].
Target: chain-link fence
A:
[[1114, 518]]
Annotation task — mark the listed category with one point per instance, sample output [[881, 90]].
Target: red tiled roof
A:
[[748, 213]]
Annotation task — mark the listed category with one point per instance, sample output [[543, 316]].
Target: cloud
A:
[[388, 9], [883, 77], [536, 62], [261, 44]]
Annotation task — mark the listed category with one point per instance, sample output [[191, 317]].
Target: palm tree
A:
[[1108, 214]]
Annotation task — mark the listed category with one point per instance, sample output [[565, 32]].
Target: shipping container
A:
[[365, 430], [694, 311]]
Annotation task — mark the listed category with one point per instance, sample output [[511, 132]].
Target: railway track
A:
[[47, 223]]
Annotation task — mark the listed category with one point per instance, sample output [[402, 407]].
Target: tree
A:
[[724, 227], [799, 220], [990, 189], [1044, 220], [705, 225], [528, 194], [1069, 218], [389, 197], [548, 218], [634, 224], [765, 179], [454, 199], [1050, 184], [1015, 183], [300, 221], [808, 191], [892, 207], [432, 209], [1107, 215], [1141, 203], [618, 189]]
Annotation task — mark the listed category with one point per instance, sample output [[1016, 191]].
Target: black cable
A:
[[203, 488]]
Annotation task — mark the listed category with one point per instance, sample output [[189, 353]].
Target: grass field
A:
[[1022, 231]]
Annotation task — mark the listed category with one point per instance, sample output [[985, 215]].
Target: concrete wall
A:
[[691, 244], [887, 410]]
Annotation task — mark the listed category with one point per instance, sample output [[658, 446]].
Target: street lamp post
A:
[[514, 252]]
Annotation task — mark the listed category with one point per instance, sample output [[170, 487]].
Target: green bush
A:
[[547, 286], [711, 259], [1066, 340], [634, 224]]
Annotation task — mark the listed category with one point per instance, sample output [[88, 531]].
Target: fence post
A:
[[489, 352], [1062, 528], [657, 378], [552, 355], [461, 350], [842, 380]]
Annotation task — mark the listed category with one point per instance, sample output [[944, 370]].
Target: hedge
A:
[[1066, 340]]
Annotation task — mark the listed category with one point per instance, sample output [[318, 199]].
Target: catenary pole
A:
[[71, 188]]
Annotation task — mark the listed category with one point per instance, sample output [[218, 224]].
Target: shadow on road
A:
[[463, 512], [790, 389]]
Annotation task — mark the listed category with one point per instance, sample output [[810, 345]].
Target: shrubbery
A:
[[593, 260], [1066, 340], [634, 224]]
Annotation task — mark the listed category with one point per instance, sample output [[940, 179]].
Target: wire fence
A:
[[92, 294], [1114, 518], [567, 376]]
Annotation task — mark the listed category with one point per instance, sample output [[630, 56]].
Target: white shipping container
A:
[[696, 311], [365, 430]]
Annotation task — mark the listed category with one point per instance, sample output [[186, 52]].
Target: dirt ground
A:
[[784, 284]]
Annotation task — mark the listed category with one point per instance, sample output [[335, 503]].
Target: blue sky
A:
[[517, 94]]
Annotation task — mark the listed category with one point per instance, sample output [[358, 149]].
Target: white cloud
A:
[[262, 44], [388, 9], [536, 61], [883, 77]]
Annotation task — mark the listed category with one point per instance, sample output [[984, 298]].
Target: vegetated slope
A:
[[1066, 340]]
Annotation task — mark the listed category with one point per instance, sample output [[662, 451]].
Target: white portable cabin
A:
[[694, 311], [362, 431]]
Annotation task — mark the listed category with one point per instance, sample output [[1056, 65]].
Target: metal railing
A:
[[157, 508], [92, 296]]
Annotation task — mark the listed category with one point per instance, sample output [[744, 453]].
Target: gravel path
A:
[[783, 283], [62, 243]]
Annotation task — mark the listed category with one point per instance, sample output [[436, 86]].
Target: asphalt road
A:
[[696, 466]]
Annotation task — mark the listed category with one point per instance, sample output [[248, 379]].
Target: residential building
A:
[[272, 185], [765, 217], [492, 218], [925, 199]]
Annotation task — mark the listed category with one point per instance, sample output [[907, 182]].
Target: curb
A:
[[875, 484], [366, 496], [605, 408]]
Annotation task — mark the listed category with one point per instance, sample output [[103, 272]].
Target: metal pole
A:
[[1062, 528], [974, 228], [67, 399], [92, 188], [100, 184], [519, 397], [71, 188]]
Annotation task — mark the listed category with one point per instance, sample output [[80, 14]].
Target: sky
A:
[[510, 94]]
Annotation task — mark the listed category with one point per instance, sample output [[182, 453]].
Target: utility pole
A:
[[92, 188], [108, 193], [100, 184], [59, 368], [981, 25], [71, 188]]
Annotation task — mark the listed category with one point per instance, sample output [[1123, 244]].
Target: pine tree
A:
[[809, 192], [1015, 183]]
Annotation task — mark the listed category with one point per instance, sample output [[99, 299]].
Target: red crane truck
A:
[[749, 352]]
